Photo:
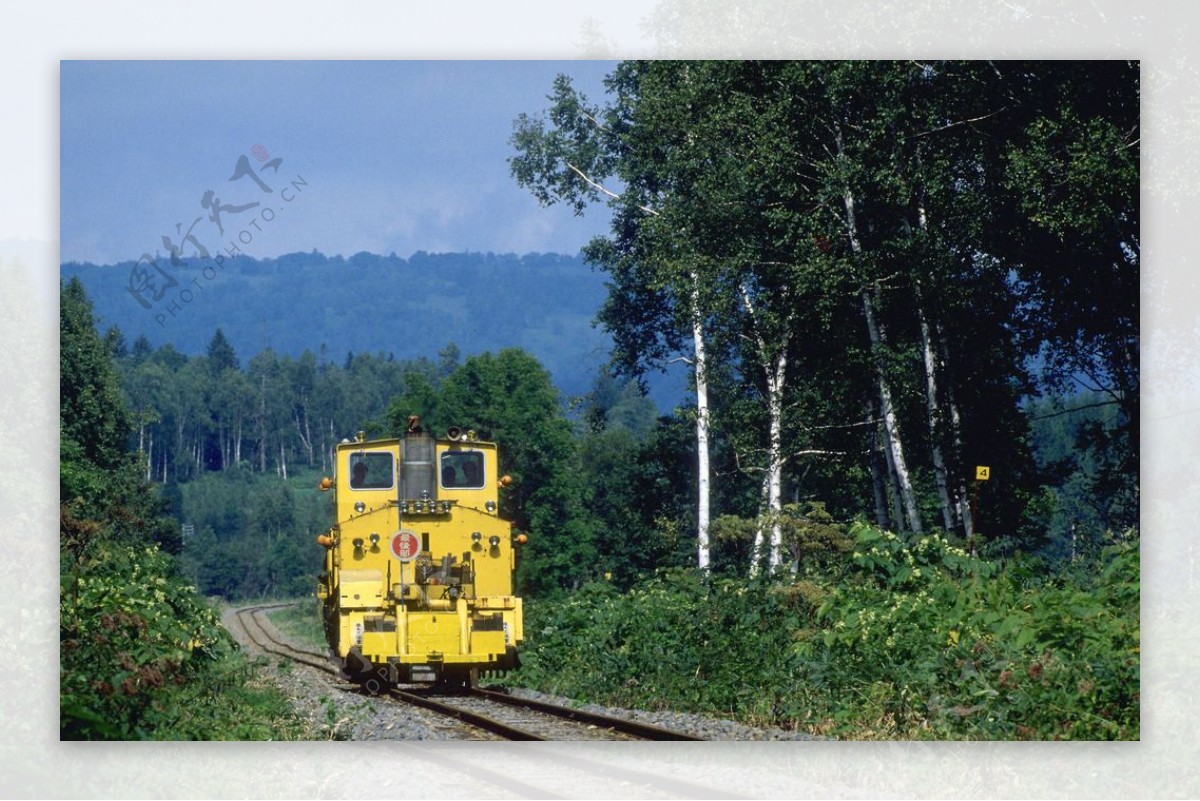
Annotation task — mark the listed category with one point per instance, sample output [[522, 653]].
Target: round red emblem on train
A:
[[405, 546]]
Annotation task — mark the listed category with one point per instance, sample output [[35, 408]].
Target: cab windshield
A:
[[462, 470], [371, 471]]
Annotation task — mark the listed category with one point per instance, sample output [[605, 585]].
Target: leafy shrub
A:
[[908, 639], [680, 640], [143, 657], [924, 640]]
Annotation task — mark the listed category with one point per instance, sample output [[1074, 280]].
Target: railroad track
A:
[[506, 716], [534, 720], [261, 636]]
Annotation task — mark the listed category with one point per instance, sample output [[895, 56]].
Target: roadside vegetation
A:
[[910, 638], [301, 622], [142, 653]]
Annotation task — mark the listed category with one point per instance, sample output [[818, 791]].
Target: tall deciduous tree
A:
[[751, 194], [652, 303]]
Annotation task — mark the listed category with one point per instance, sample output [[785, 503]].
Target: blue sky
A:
[[392, 156]]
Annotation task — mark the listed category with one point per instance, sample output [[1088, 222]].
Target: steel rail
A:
[[466, 716], [644, 731], [279, 647]]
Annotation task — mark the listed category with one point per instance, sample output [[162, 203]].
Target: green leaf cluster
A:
[[680, 640], [143, 656], [913, 638], [923, 639]]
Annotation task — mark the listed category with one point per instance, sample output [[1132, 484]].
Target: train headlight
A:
[[374, 540], [358, 544], [494, 541], [490, 506], [476, 536], [360, 507]]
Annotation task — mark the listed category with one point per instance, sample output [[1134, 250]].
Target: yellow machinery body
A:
[[418, 584]]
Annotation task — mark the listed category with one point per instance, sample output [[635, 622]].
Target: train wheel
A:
[[453, 683]]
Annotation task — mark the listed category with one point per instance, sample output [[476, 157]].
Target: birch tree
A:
[[568, 161]]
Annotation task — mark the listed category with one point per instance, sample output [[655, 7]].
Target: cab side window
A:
[[371, 471], [462, 470]]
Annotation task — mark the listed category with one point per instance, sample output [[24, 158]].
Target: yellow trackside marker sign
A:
[[983, 473]]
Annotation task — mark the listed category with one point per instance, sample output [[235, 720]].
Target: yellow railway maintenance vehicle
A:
[[418, 578]]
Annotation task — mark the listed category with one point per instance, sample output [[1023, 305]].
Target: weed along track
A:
[[485, 714]]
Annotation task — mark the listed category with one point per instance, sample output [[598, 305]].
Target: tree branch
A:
[[949, 125], [1075, 409], [602, 188]]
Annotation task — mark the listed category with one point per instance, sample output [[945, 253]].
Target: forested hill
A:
[[414, 307]]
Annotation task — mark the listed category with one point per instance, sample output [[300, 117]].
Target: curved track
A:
[[488, 710], [262, 637]]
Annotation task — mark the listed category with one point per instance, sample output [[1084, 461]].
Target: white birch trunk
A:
[[934, 413], [775, 374], [775, 380], [891, 425], [760, 535], [703, 512], [879, 474], [962, 503], [895, 447], [702, 422], [892, 485]]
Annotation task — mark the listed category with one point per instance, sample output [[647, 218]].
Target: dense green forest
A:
[[882, 278], [142, 653], [367, 303], [871, 267]]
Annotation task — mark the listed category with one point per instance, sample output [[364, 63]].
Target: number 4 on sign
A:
[[983, 473]]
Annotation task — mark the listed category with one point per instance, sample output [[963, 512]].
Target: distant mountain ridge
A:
[[543, 303]]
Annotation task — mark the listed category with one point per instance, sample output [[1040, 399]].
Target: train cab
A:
[[418, 579]]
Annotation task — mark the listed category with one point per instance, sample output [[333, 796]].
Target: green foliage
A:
[[508, 398], [924, 640], [93, 420], [301, 622], [813, 539], [131, 631], [1086, 491], [254, 533], [676, 641], [142, 656], [984, 215], [910, 639]]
